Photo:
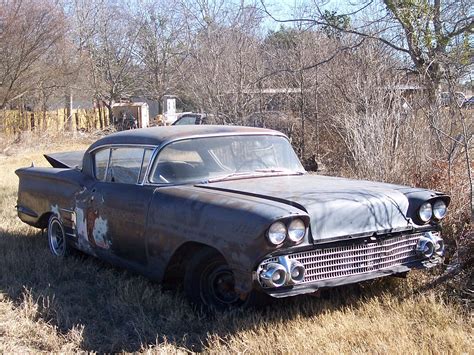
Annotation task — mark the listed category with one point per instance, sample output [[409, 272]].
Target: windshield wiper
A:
[[272, 170], [228, 176], [255, 173]]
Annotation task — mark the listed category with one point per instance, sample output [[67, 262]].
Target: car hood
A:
[[337, 207]]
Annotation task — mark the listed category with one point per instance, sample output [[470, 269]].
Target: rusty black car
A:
[[229, 212]]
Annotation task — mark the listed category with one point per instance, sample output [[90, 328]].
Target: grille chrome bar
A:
[[361, 257], [355, 259], [399, 255]]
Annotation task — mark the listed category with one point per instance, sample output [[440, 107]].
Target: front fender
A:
[[233, 224]]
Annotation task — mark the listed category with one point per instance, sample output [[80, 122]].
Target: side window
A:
[[126, 165], [178, 165], [146, 161], [101, 158]]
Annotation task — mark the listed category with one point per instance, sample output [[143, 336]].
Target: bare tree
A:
[[110, 41], [29, 31], [224, 59], [162, 48], [428, 32], [292, 58], [433, 40]]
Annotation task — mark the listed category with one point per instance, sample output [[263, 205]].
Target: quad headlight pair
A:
[[430, 210], [279, 231]]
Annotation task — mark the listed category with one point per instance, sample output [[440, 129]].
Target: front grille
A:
[[342, 261]]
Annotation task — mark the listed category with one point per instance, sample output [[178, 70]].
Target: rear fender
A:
[[44, 190]]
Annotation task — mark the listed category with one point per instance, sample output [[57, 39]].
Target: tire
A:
[[57, 238], [209, 283]]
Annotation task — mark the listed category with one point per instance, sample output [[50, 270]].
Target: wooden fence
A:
[[14, 121]]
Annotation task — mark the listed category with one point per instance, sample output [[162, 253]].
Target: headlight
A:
[[274, 275], [439, 247], [425, 212], [439, 209], [425, 247], [297, 272], [296, 230], [277, 233]]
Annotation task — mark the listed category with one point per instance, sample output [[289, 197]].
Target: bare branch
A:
[[334, 26]]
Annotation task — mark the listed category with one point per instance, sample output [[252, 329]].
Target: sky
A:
[[285, 9]]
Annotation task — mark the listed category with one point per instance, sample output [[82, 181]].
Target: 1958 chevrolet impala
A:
[[230, 212]]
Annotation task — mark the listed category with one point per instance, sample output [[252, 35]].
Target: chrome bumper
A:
[[325, 267]]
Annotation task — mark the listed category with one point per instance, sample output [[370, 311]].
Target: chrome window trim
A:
[[154, 155], [108, 164], [131, 145], [141, 167], [143, 182]]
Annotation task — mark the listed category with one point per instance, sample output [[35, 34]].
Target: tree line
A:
[[205, 50], [362, 85]]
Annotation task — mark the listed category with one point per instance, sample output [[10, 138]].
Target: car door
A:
[[116, 206]]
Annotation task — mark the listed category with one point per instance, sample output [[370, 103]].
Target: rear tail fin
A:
[[65, 160]]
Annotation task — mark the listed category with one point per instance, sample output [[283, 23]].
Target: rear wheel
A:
[[57, 237], [209, 282]]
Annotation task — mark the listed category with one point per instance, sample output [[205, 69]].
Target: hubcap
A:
[[221, 285], [56, 238]]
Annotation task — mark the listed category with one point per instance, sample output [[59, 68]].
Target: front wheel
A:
[[209, 282], [57, 237]]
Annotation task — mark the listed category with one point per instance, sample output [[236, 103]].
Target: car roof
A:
[[161, 135]]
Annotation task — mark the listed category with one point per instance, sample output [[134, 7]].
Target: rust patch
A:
[[91, 216]]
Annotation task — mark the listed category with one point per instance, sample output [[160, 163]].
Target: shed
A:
[[138, 111]]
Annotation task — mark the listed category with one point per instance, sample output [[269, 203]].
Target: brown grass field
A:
[[82, 304]]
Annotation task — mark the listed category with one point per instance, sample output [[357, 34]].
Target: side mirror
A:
[[311, 164]]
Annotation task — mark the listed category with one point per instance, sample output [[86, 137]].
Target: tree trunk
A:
[[101, 120], [109, 108], [69, 121]]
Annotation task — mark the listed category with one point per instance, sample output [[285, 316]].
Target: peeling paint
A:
[[55, 210], [81, 230], [91, 230], [91, 216], [100, 232]]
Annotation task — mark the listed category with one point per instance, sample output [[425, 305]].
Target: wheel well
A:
[[174, 273], [43, 220]]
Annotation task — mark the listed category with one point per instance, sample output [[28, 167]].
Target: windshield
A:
[[219, 158]]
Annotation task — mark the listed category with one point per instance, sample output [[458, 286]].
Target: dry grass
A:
[[84, 304]]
